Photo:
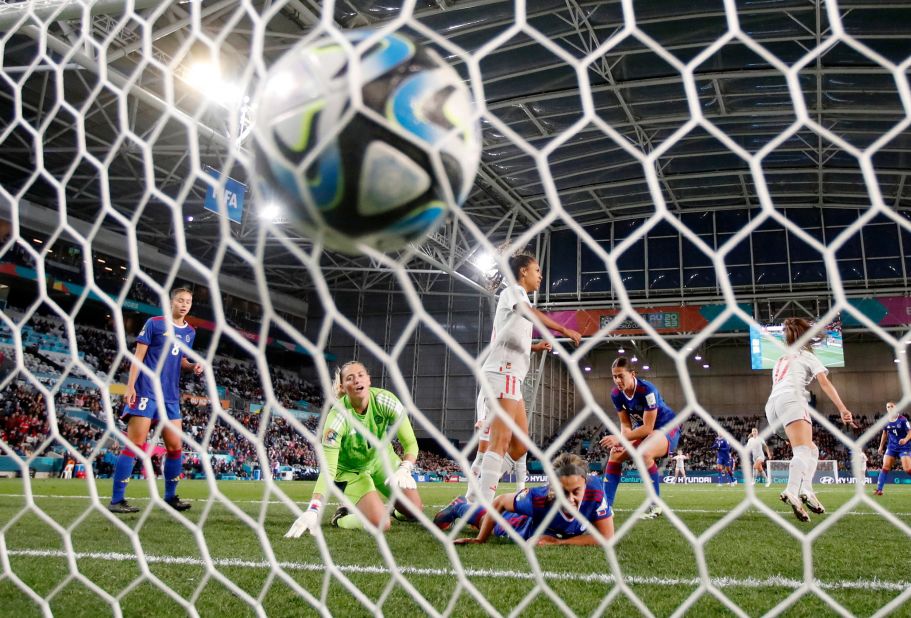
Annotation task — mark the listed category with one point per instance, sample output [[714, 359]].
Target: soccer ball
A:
[[381, 177]]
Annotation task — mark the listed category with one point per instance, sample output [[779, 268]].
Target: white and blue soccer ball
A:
[[378, 179]]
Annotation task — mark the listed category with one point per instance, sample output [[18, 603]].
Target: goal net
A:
[[826, 471], [683, 172]]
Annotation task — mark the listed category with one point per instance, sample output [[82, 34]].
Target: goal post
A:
[[826, 471]]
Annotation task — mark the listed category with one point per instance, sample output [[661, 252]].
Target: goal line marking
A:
[[775, 581]]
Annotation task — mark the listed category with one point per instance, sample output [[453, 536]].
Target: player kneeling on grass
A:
[[653, 437], [354, 464], [527, 510]]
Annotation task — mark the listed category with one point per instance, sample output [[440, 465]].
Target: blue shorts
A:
[[899, 451], [147, 407], [725, 461], [673, 439], [520, 523]]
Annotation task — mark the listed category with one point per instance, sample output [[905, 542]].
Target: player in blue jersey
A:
[[724, 463], [646, 421], [143, 408], [528, 510], [893, 445]]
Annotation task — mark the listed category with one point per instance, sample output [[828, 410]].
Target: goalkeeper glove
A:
[[402, 477], [308, 522]]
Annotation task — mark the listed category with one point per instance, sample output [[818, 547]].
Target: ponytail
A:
[[516, 263]]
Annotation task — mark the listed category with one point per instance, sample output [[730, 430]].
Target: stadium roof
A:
[[146, 134]]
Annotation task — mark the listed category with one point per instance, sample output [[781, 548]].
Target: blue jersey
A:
[[154, 335], [897, 430], [646, 397], [721, 445], [532, 506], [724, 451]]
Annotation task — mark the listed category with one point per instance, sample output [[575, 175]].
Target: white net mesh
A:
[[108, 138]]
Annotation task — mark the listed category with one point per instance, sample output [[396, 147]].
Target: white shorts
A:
[[679, 469], [786, 409], [504, 386], [758, 458]]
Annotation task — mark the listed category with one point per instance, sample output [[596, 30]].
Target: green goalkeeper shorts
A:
[[359, 484]]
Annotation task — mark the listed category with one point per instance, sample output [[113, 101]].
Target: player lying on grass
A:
[[527, 510], [654, 436], [894, 445], [354, 464]]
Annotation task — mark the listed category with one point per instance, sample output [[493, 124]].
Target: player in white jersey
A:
[[759, 451], [679, 469], [507, 364], [787, 408]]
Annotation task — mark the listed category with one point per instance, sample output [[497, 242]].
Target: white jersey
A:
[[510, 343], [793, 372], [679, 458], [755, 447]]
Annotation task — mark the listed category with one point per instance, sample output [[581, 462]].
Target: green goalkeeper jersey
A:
[[345, 442]]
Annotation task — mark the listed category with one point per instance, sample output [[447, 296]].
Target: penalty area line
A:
[[774, 581]]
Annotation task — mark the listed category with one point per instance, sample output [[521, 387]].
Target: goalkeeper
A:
[[354, 464]]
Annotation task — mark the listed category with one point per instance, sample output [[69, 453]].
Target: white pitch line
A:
[[431, 506], [775, 581]]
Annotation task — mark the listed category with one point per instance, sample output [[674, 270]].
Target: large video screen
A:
[[764, 350]]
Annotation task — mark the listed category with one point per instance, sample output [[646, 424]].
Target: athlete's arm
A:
[[882, 443], [829, 389], [625, 426], [408, 441], [904, 440], [140, 353], [186, 365], [648, 426], [541, 346], [605, 529], [552, 325]]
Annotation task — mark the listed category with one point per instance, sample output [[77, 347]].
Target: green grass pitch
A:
[[861, 560]]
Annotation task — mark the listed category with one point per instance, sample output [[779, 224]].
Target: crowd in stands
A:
[[25, 426]]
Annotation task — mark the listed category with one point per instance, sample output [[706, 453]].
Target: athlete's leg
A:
[[137, 433], [888, 462], [500, 436], [173, 461], [906, 464], [653, 447]]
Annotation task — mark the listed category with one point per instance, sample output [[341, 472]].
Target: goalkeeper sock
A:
[[883, 477], [350, 522], [491, 468], [611, 480], [173, 465], [656, 478], [521, 471], [123, 469]]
